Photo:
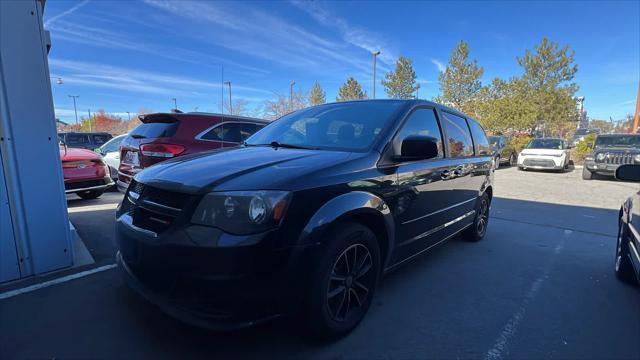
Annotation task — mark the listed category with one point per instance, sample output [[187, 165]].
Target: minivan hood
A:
[[241, 168]]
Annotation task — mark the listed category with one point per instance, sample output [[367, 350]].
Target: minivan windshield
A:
[[546, 144], [618, 141], [348, 126]]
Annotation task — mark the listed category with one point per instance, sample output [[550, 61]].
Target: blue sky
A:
[[126, 55]]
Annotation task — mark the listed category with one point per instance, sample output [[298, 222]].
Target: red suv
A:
[[163, 136]]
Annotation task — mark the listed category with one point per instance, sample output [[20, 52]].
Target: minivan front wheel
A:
[[478, 229], [345, 281]]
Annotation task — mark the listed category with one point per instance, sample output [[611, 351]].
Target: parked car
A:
[[84, 140], [580, 134], [611, 151], [110, 152], [504, 153], [163, 136], [307, 215], [545, 154], [627, 263], [85, 174]]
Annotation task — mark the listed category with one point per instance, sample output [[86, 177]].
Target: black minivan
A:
[[306, 216]]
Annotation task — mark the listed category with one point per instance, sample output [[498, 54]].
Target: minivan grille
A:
[[155, 209]]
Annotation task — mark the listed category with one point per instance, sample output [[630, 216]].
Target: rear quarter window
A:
[[101, 139], [155, 130]]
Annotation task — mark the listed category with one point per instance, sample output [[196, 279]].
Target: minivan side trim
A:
[[439, 227], [438, 211]]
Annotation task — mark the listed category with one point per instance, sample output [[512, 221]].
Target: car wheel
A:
[[345, 281], [586, 174], [623, 267], [513, 160], [90, 194], [479, 227]]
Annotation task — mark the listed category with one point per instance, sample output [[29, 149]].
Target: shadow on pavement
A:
[[453, 302]]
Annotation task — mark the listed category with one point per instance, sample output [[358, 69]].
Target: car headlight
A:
[[637, 158], [242, 212], [600, 157], [589, 158]]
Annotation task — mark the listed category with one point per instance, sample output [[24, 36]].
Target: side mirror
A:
[[418, 147], [628, 172]]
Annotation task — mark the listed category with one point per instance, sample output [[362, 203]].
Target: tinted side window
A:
[[100, 139], [458, 135], [421, 122], [77, 139], [231, 132], [480, 138]]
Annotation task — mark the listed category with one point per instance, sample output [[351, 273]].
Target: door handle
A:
[[445, 174]]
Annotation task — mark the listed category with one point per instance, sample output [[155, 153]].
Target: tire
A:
[[513, 160], [90, 194], [623, 267], [339, 297], [586, 174], [478, 229]]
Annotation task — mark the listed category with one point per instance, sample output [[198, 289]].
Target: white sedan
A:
[[110, 152], [545, 154]]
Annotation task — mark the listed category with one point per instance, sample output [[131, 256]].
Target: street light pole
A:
[[129, 115], [375, 55], [75, 109], [175, 103], [417, 91], [230, 104], [90, 127], [293, 82]]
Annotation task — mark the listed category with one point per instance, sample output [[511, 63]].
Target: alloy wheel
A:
[[483, 216], [350, 282], [619, 249]]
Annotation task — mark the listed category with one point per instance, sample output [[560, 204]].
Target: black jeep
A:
[[611, 151]]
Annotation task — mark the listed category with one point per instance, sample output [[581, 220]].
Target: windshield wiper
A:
[[276, 144]]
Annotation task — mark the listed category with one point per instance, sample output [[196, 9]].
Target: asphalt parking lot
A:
[[541, 285]]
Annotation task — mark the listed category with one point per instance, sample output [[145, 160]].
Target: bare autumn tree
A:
[[283, 105]]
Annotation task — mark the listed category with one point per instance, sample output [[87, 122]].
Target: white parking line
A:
[[93, 208], [502, 342], [16, 292]]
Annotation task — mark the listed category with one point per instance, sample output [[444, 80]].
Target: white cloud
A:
[[441, 67], [93, 36], [257, 33], [354, 35], [66, 12], [135, 80]]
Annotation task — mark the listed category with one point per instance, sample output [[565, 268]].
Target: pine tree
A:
[[317, 96], [351, 90], [548, 75], [460, 82], [401, 83]]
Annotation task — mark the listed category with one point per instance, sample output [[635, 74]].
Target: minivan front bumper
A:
[[219, 288]]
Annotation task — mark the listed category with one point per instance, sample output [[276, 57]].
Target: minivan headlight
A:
[[242, 212], [637, 158]]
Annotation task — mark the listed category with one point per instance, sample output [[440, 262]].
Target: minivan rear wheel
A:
[[478, 229], [623, 267], [345, 281]]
